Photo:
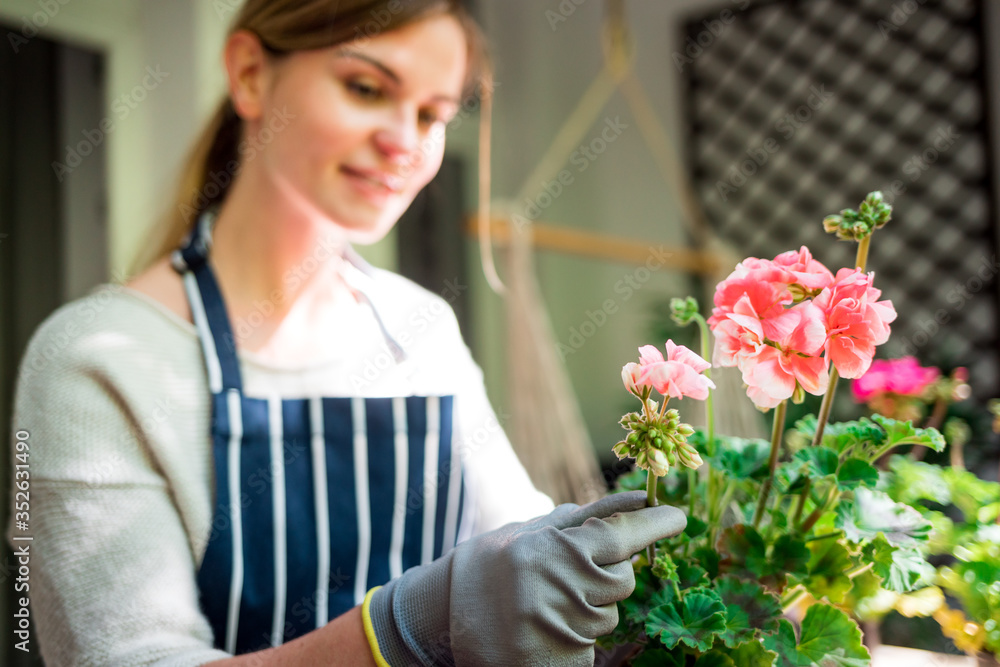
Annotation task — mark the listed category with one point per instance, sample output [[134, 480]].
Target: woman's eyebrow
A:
[[388, 72]]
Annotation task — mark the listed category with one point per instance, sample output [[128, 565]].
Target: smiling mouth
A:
[[386, 182]]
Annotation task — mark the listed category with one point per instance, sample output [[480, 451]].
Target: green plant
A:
[[774, 526]]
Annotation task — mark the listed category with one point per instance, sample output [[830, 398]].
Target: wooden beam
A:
[[548, 236]]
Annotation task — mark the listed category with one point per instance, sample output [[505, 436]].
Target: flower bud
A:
[[664, 567], [658, 464], [685, 430], [831, 224], [688, 456], [630, 376], [621, 449], [682, 311], [851, 225], [640, 461]]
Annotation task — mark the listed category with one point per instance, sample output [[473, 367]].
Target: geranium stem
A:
[[862, 256], [818, 512], [692, 484], [711, 482], [709, 411], [824, 408], [860, 261], [806, 489], [777, 430], [651, 502]]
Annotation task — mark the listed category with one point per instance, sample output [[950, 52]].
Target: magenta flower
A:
[[903, 377], [678, 375]]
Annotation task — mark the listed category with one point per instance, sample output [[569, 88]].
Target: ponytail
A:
[[209, 170]]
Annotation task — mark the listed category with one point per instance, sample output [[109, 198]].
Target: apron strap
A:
[[208, 308]]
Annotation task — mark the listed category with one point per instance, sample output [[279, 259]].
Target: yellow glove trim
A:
[[366, 620]]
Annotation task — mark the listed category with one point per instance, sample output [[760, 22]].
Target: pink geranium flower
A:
[[772, 368], [678, 375], [808, 272], [764, 283], [903, 377], [856, 321]]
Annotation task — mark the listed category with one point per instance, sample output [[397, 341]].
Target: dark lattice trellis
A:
[[906, 77]]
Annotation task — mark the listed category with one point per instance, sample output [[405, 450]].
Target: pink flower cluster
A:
[[677, 376], [903, 377], [782, 322]]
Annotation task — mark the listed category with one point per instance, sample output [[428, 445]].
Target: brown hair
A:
[[284, 26]]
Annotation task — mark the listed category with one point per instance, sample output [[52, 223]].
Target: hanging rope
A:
[[485, 175]]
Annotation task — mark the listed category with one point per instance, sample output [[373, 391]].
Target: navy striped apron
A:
[[317, 500]]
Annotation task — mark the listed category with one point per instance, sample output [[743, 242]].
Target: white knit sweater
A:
[[113, 392]]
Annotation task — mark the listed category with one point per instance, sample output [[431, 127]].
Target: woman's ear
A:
[[248, 68]]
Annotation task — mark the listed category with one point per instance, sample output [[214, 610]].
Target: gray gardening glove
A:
[[533, 593]]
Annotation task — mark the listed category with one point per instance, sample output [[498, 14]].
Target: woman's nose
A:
[[399, 138]]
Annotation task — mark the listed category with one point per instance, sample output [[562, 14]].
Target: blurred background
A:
[[746, 123]]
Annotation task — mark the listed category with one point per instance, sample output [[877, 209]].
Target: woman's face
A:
[[365, 122]]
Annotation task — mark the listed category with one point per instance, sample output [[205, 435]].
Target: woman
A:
[[262, 447]]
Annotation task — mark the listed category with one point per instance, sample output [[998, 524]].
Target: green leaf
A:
[[695, 527], [816, 461], [913, 481], [901, 569], [741, 458], [694, 621], [829, 639], [691, 575], [708, 558], [657, 657], [873, 512], [905, 433], [715, 659], [648, 593], [752, 654], [779, 519], [744, 553], [807, 463], [845, 438], [856, 472], [789, 555], [969, 493], [750, 610], [829, 563]]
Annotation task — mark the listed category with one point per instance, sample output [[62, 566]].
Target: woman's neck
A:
[[271, 252]]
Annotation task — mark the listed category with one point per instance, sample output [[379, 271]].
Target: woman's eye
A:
[[364, 90], [429, 117]]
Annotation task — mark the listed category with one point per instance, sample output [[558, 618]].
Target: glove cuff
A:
[[366, 620], [409, 618]]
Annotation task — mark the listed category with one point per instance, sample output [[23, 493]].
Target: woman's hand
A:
[[533, 593]]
